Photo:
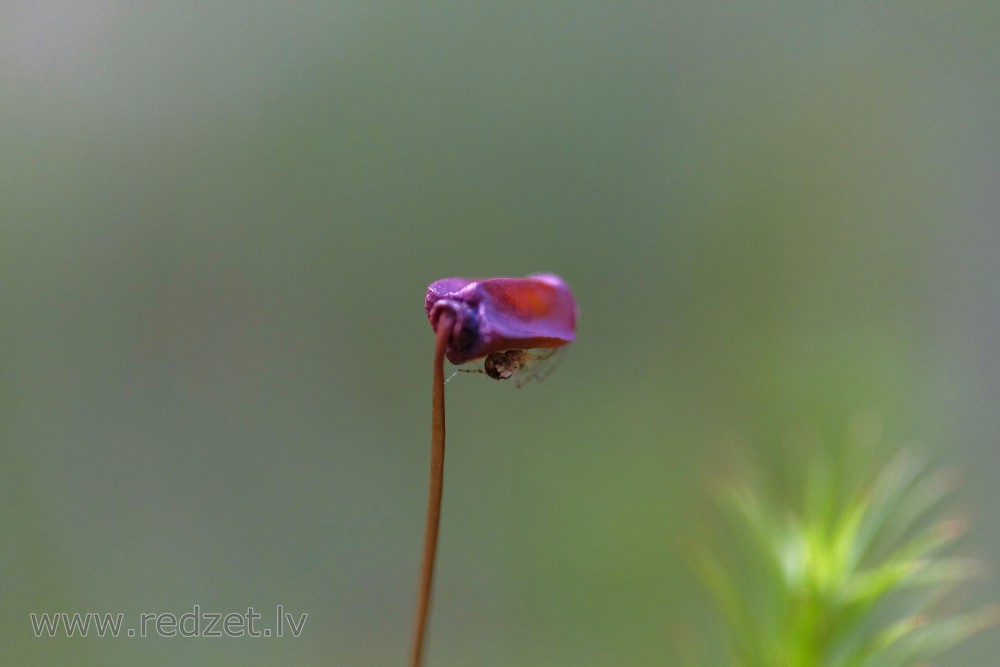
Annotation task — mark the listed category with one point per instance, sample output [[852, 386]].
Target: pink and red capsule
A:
[[501, 318]]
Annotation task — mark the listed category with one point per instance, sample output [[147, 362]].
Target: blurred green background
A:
[[218, 220]]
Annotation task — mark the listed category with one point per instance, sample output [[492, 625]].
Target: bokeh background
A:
[[217, 222]]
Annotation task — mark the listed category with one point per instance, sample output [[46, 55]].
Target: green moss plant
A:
[[854, 569]]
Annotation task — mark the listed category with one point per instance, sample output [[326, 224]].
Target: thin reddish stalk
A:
[[443, 330]]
